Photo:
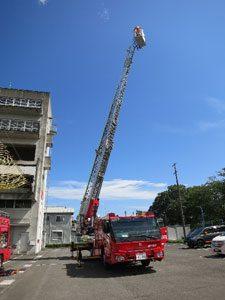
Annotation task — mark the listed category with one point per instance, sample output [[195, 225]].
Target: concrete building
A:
[[58, 225], [26, 129]]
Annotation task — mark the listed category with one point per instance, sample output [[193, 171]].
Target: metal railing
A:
[[21, 102], [19, 125]]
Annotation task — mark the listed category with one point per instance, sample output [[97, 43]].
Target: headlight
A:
[[217, 243], [159, 254], [120, 258]]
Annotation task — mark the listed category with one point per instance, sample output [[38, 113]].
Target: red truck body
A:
[[5, 248], [128, 239]]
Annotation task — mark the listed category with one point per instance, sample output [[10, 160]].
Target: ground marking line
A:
[[27, 266], [7, 282], [18, 257]]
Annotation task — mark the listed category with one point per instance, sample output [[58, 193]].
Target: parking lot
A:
[[184, 274]]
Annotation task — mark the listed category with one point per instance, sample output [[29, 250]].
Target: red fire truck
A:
[[5, 248], [128, 239], [117, 239]]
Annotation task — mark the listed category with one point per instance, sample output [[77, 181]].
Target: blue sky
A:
[[174, 105]]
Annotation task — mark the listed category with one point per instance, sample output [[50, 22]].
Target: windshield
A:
[[195, 232], [135, 229], [3, 239]]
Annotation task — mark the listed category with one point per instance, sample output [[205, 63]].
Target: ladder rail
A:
[[106, 144]]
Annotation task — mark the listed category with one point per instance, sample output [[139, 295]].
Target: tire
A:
[[145, 263], [1, 261], [190, 245], [105, 263], [92, 252], [200, 243]]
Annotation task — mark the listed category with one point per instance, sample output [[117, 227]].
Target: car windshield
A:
[[195, 232], [135, 229]]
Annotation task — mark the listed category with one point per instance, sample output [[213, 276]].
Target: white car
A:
[[218, 244]]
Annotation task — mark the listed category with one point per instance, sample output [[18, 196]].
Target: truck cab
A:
[[128, 239]]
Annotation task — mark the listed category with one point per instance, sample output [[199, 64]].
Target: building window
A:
[[15, 203], [47, 219], [60, 219], [6, 203], [23, 204], [57, 235]]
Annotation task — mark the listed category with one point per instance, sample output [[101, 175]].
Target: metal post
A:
[[202, 216], [181, 204]]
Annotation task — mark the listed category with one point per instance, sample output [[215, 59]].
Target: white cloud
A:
[[117, 189], [43, 2], [169, 128], [205, 126], [216, 104], [103, 12]]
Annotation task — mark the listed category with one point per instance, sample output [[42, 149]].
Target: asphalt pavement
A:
[[52, 275]]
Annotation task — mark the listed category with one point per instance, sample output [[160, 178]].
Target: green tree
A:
[[209, 196]]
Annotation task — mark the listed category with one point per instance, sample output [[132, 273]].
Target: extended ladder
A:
[[90, 202]]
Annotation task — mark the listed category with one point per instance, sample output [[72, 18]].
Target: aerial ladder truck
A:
[[115, 231]]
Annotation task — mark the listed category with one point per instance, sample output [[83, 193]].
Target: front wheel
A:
[[145, 263], [105, 263], [200, 243], [1, 261]]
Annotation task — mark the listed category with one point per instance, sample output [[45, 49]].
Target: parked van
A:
[[203, 235]]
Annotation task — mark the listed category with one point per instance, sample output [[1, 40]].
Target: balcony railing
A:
[[21, 102], [19, 125]]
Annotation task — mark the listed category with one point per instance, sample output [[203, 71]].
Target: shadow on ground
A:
[[194, 248], [213, 256], [95, 269]]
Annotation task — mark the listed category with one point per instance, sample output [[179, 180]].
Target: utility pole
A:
[[202, 216], [181, 204]]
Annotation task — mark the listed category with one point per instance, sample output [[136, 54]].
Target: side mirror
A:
[[106, 228]]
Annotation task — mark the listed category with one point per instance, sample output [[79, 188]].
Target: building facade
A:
[[26, 130], [58, 225]]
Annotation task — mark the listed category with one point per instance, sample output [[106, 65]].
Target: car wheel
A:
[[200, 243], [1, 261], [190, 245], [145, 263]]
